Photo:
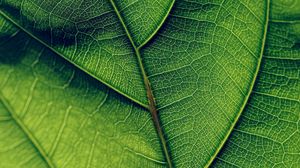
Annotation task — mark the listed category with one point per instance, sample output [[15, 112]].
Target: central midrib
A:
[[150, 96]]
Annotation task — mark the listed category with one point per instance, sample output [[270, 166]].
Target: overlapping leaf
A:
[[202, 65]]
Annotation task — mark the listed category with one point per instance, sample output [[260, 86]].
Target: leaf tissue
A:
[[144, 83]]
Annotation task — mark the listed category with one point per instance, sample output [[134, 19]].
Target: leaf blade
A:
[[271, 116], [67, 109], [144, 25], [84, 40], [200, 81], [194, 42]]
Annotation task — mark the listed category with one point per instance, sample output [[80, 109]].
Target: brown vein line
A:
[[26, 131], [150, 96]]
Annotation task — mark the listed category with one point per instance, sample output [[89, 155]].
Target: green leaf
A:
[[267, 134], [149, 83], [54, 115], [91, 36]]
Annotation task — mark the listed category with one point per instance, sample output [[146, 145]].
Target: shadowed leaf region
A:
[[223, 78]]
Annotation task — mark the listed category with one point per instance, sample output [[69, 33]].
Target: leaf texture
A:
[[204, 72], [55, 116], [88, 34], [268, 135], [201, 58], [143, 18]]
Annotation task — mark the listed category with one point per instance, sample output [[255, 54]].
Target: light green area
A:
[[54, 115], [268, 132], [16, 150], [285, 10], [202, 59]]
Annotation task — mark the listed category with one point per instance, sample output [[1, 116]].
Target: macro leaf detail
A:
[[141, 83]]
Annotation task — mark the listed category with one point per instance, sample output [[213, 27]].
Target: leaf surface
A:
[[53, 115], [267, 134], [204, 73], [143, 18], [198, 60]]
